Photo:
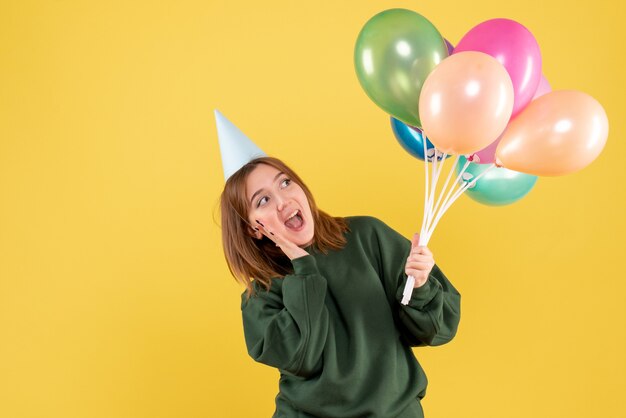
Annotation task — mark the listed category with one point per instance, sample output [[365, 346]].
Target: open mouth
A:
[[295, 222]]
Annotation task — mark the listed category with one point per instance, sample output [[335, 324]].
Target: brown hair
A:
[[251, 259]]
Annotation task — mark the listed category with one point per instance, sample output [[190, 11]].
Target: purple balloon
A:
[[543, 88], [515, 48], [450, 47]]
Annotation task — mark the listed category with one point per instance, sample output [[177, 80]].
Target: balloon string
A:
[[423, 229], [458, 193], [429, 228], [428, 224], [445, 185], [428, 207], [433, 184], [437, 168], [410, 281], [449, 203], [429, 192]]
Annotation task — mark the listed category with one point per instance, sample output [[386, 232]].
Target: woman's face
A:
[[280, 204]]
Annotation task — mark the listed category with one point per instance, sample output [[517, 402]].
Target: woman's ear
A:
[[255, 233]]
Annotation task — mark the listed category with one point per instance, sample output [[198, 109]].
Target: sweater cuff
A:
[[423, 294], [304, 265]]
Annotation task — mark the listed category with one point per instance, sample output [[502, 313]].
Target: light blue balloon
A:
[[410, 138], [499, 186]]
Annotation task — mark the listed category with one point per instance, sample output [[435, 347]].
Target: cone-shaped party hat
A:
[[236, 148]]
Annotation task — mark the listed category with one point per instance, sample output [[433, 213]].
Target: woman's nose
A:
[[280, 203]]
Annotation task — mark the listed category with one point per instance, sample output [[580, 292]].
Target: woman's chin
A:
[[305, 245], [305, 242]]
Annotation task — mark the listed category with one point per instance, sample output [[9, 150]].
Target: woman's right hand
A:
[[290, 249]]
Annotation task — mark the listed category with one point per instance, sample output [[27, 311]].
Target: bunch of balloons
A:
[[485, 101]]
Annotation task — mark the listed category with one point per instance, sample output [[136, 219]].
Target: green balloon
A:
[[499, 186], [394, 53]]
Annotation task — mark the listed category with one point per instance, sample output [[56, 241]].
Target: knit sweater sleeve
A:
[[287, 328], [433, 313]]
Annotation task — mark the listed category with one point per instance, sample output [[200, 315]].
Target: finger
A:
[[263, 226], [417, 275], [419, 266], [420, 258], [421, 250], [415, 240], [263, 230], [426, 250]]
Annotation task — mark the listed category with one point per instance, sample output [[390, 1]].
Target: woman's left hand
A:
[[420, 262]]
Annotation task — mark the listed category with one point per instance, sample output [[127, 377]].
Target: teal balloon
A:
[[499, 186], [395, 51]]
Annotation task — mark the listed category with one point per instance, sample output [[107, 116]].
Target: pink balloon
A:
[[488, 155], [517, 50]]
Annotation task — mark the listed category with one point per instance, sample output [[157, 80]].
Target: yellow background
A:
[[115, 299]]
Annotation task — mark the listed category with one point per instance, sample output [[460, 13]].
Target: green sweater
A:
[[338, 334]]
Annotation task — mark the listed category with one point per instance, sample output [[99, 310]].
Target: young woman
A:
[[322, 303]]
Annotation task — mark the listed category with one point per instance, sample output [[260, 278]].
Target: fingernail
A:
[[272, 233], [259, 222], [256, 229]]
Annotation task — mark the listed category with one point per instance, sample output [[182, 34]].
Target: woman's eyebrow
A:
[[260, 190]]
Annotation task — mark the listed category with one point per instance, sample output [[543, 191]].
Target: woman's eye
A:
[[286, 182], [261, 201]]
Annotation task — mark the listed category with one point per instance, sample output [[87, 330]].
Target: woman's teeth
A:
[[295, 212], [295, 221]]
